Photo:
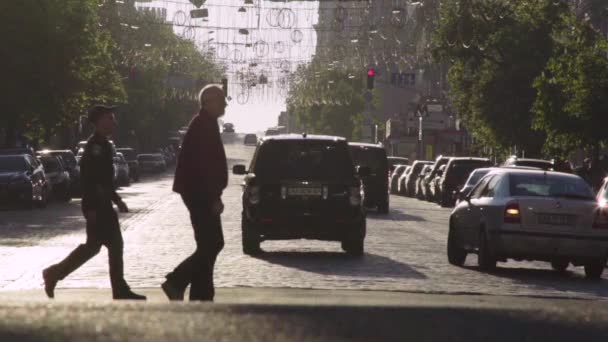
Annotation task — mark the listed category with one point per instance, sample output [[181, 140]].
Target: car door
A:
[[471, 212], [483, 208]]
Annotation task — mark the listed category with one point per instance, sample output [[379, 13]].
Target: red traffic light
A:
[[371, 72]]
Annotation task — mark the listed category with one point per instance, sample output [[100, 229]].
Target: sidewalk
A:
[[250, 314]]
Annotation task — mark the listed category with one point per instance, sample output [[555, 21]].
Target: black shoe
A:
[[172, 292], [128, 295], [49, 282]]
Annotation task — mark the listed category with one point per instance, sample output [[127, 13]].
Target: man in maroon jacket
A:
[[200, 177]]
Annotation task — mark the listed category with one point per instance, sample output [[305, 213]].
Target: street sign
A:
[[197, 3], [199, 13]]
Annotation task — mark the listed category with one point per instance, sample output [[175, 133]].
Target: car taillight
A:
[[512, 213], [601, 219], [254, 195], [355, 196]]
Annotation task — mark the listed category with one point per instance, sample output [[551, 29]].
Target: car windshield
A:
[[12, 164], [374, 158], [303, 160], [547, 185]]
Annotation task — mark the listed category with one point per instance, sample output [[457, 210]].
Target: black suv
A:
[[375, 186], [302, 187], [455, 175]]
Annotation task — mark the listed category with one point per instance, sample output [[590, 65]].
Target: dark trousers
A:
[[104, 232], [197, 269]]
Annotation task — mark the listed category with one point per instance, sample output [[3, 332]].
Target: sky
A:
[[275, 47]]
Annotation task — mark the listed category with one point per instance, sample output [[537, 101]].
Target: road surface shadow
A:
[[341, 264], [548, 279], [394, 215]]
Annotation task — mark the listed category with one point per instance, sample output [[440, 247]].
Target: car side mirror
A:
[[239, 169], [363, 171]]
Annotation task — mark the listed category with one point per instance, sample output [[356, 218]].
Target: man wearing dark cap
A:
[[97, 177], [200, 178]]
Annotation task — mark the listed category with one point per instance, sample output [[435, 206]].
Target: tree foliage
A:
[[496, 50], [327, 101], [572, 101]]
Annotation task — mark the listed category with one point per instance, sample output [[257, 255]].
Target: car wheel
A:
[[354, 247], [594, 269], [560, 265], [250, 240], [456, 254], [485, 256]]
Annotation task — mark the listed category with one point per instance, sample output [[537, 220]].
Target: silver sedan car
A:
[[530, 215]]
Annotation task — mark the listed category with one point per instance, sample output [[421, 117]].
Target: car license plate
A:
[[304, 191], [556, 220]]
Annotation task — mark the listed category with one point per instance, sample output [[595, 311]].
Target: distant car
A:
[[251, 140], [429, 179], [407, 182], [22, 180], [228, 128], [71, 164], [154, 162], [131, 157], [546, 165], [122, 177], [57, 175], [271, 132], [420, 187], [394, 180], [454, 176], [375, 186], [394, 161], [530, 215], [302, 187]]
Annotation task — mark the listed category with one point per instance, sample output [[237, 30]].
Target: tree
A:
[[55, 62], [572, 102], [496, 49]]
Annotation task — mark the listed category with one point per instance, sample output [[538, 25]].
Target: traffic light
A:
[[371, 73], [225, 86]]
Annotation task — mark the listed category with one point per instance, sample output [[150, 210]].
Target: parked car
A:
[[16, 151], [394, 161], [57, 175], [302, 187], [434, 184], [420, 187], [250, 139], [399, 170], [530, 215], [131, 157], [428, 192], [122, 177], [454, 176], [152, 162], [375, 186], [537, 163], [401, 181], [407, 182], [22, 181], [71, 164]]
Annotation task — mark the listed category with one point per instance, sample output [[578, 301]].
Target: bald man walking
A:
[[200, 178]]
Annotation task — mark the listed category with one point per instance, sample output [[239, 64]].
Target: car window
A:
[[374, 158], [12, 164], [548, 185], [490, 189], [478, 190], [304, 160]]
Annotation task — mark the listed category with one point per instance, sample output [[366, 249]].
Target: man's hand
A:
[[122, 207], [218, 207], [91, 216]]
